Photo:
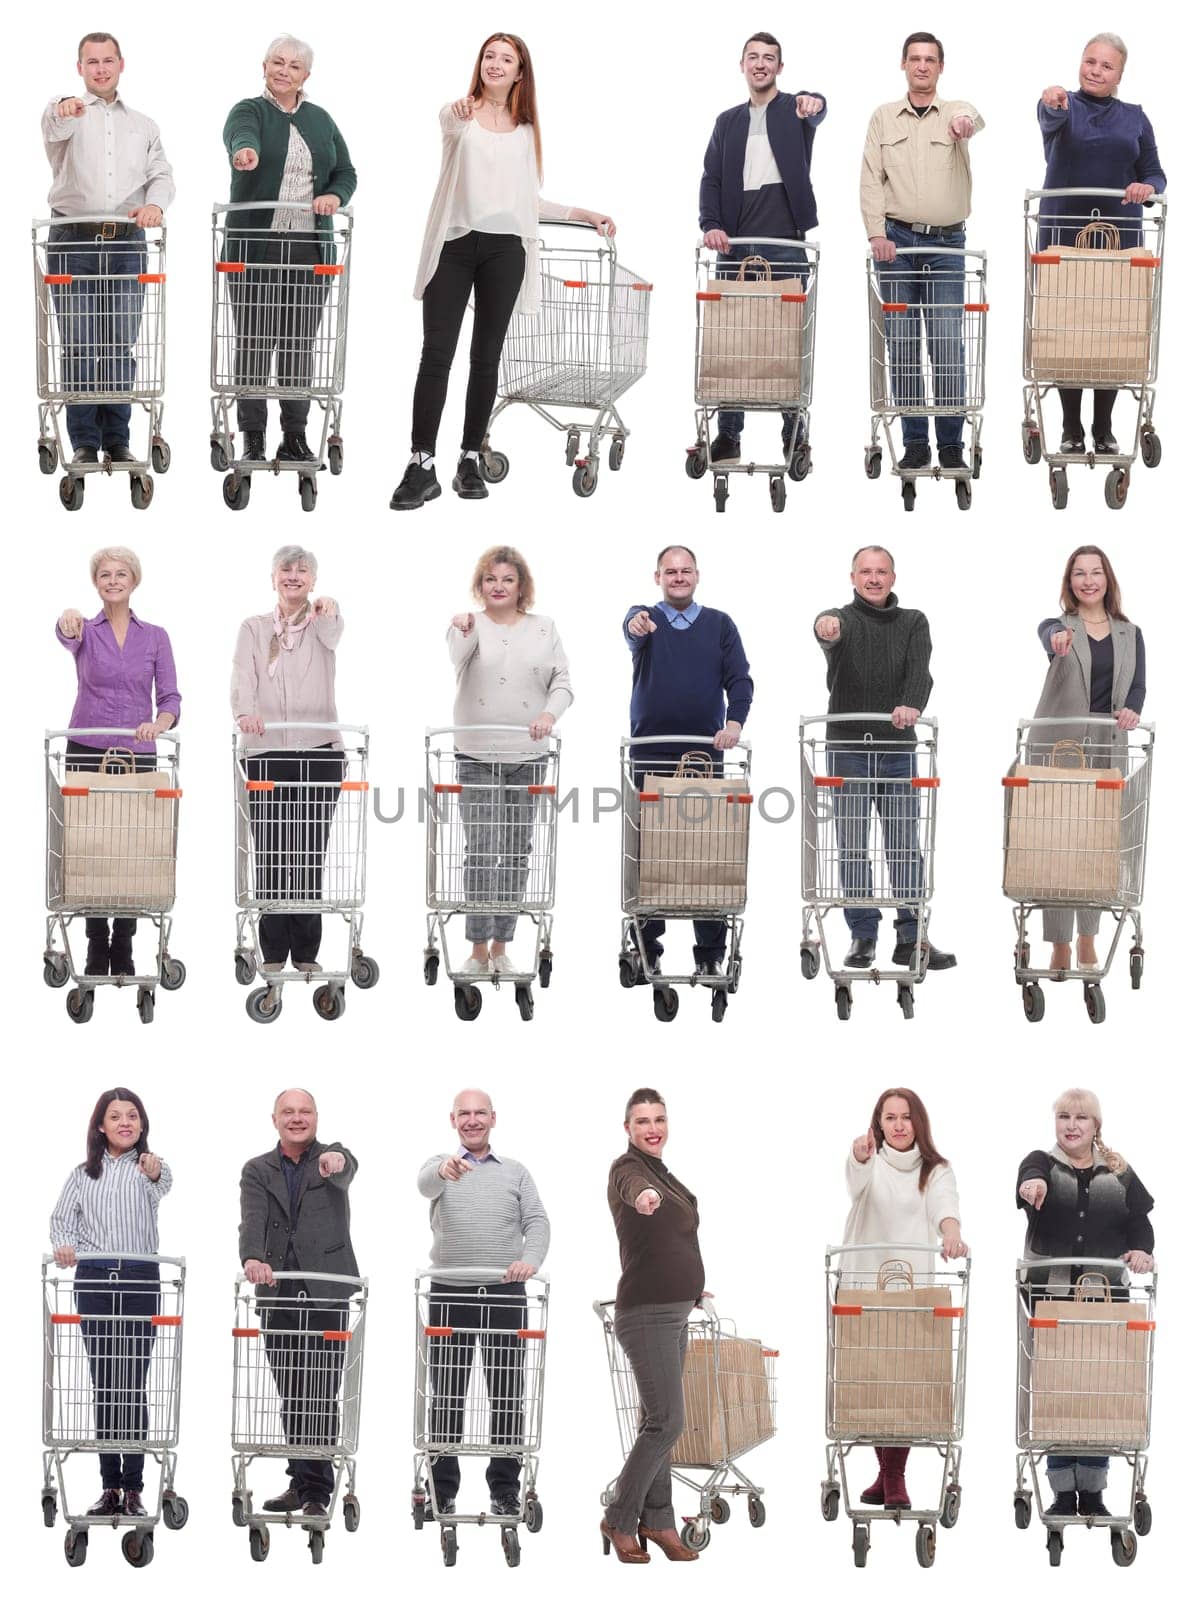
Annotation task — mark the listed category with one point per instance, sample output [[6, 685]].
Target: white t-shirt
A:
[[760, 166], [888, 1208], [493, 194]]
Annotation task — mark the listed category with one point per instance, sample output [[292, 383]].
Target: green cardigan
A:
[[258, 125]]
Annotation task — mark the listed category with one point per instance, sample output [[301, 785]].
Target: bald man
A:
[[295, 1217], [487, 1218]]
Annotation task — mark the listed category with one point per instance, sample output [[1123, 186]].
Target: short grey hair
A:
[[1112, 39], [287, 41], [293, 555], [117, 552]]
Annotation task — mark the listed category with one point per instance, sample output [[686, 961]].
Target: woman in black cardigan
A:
[[1082, 1200]]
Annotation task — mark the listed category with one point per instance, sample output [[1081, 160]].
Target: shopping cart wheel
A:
[[572, 448], [1096, 1006], [242, 1506], [55, 971], [1151, 449], [70, 492], [432, 963], [1124, 1547], [696, 463], [236, 492], [584, 480], [953, 1504], [160, 454], [316, 1546], [1142, 1517], [874, 463], [329, 1001], [861, 1543], [419, 1510], [337, 459], [545, 968], [1032, 444], [74, 1547], [47, 458], [244, 969], [757, 1511], [734, 974], [616, 453], [666, 1003], [495, 465], [80, 1003], [141, 490], [720, 1004], [907, 1001], [908, 490], [265, 1005], [1059, 487], [778, 494], [695, 1535], [510, 1540], [260, 1543], [468, 1002], [218, 456], [720, 490], [138, 1547], [1034, 1001], [830, 1501], [961, 488], [1115, 488], [809, 961], [351, 1512], [718, 1510], [534, 1514], [50, 1510], [1054, 1545], [172, 974], [449, 1545], [801, 463], [524, 1002], [145, 1005], [926, 1545], [365, 972], [1022, 1510], [844, 998], [1136, 966], [629, 965], [976, 462], [307, 492]]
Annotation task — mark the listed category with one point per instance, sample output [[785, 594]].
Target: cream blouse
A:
[[301, 690]]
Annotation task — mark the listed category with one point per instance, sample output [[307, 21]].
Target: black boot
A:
[[468, 480], [416, 486], [1090, 1503], [294, 448], [253, 445], [120, 952], [1065, 1505]]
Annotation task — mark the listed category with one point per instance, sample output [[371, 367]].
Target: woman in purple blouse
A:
[[126, 677]]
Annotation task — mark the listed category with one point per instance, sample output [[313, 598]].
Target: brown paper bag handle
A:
[[1098, 235], [895, 1271], [123, 762], [1097, 1283], [1068, 747], [694, 764], [761, 268]]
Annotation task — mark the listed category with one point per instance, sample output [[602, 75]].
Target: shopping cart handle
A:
[[168, 737], [471, 1275], [882, 716], [1079, 722], [1082, 194]]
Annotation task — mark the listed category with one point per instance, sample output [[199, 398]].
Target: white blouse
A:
[[888, 1208]]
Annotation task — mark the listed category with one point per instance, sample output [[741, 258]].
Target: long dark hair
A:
[[522, 97], [1111, 595], [930, 1156], [97, 1141]]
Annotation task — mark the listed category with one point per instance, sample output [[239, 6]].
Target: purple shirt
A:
[[118, 688]]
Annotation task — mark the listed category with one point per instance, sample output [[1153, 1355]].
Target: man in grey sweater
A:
[[490, 1235]]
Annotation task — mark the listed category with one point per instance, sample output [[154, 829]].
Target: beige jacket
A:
[[302, 689]]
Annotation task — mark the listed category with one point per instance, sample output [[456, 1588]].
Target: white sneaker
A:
[[502, 967], [472, 967]]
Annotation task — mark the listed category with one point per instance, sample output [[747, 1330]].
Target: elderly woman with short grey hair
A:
[[288, 153], [284, 667]]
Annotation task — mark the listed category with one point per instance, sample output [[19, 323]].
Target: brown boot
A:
[[626, 1547], [668, 1541], [895, 1490], [874, 1496]]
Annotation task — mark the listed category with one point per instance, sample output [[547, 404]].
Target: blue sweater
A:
[[1104, 142], [721, 190], [681, 676]]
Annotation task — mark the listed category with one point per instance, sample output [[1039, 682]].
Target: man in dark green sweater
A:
[[877, 655]]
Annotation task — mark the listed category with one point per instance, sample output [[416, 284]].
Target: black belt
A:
[[93, 231], [929, 229]]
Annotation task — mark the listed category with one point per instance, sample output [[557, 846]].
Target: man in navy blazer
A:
[[757, 185]]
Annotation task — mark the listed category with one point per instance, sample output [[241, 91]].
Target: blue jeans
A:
[[1085, 1473], [731, 423], [890, 792], [99, 314], [933, 288]]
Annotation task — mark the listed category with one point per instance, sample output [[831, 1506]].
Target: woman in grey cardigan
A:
[[1096, 664], [511, 670]]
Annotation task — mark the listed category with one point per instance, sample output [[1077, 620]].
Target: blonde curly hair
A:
[[1086, 1103]]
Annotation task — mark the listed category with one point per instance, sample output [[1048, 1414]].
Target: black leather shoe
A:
[[707, 968], [294, 448], [289, 1500], [253, 445], [505, 1505], [96, 964], [134, 1505], [108, 1505], [1090, 1503], [119, 452], [468, 480], [1105, 445], [85, 456], [725, 449], [1073, 444], [916, 455], [951, 458], [904, 955], [447, 1508], [861, 953], [1065, 1505], [416, 486]]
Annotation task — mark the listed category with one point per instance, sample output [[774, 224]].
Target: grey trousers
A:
[[1057, 923], [654, 1338]]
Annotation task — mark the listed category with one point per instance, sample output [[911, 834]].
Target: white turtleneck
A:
[[888, 1207]]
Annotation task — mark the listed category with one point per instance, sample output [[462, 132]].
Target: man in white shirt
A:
[[106, 160]]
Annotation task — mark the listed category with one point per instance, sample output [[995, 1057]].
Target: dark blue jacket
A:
[[1105, 142], [720, 189]]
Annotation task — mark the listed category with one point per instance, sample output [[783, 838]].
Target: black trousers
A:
[[488, 1316], [119, 1349], [85, 758], [278, 303], [711, 938], [492, 266], [307, 1373], [1104, 403], [290, 826]]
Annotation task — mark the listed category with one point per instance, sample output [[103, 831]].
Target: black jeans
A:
[[278, 303], [119, 1349], [291, 826], [307, 1373], [85, 758], [492, 265], [489, 1314], [711, 938]]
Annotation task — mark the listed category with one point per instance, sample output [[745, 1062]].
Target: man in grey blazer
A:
[[295, 1217]]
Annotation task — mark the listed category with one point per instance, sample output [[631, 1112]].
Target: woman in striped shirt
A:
[[108, 1214]]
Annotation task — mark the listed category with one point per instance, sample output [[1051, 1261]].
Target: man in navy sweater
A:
[[690, 677], [757, 185]]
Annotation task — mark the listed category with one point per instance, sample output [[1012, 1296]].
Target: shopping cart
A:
[[1091, 323], [491, 851], [685, 814], [927, 357], [112, 1353], [111, 839], [1084, 1387], [579, 354], [278, 333], [729, 1405], [101, 341], [297, 1394], [895, 1378], [1075, 827], [480, 1380], [300, 848], [869, 838], [755, 350]]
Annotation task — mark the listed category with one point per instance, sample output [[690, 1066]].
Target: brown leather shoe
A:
[[626, 1547], [668, 1541]]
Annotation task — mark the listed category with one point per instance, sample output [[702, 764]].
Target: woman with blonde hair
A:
[[512, 674], [1082, 1201], [481, 242]]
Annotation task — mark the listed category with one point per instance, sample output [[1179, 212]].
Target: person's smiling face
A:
[[284, 72], [121, 1126], [760, 64], [499, 69], [647, 1128], [873, 576], [473, 1118], [295, 1117], [114, 581], [1075, 1131], [1088, 581], [1100, 70], [100, 67]]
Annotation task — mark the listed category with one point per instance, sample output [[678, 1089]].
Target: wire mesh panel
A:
[[928, 320], [101, 312], [686, 811], [755, 330], [112, 1351]]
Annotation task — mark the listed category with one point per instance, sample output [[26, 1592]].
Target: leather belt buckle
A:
[[108, 230]]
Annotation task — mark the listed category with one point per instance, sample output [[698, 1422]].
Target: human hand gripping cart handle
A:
[[755, 350], [730, 1407], [1085, 1331], [480, 1382], [1092, 320], [112, 835], [298, 1350], [300, 807], [1075, 830], [100, 327], [869, 807], [112, 1352], [491, 814], [578, 354]]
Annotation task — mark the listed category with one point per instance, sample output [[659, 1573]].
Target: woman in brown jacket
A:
[[661, 1282]]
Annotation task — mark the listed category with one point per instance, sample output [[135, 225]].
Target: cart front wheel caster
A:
[[909, 495], [696, 464], [510, 1540], [534, 1516], [861, 1544], [778, 494], [584, 480], [666, 1003], [172, 974], [218, 456], [1034, 1002], [47, 459], [1054, 1545], [138, 1547], [50, 1510], [316, 1546], [329, 1001], [1059, 488], [1124, 1547], [976, 462], [628, 971], [236, 492], [495, 465], [1115, 488], [55, 971], [468, 1002], [351, 1513], [145, 1005], [80, 1003], [720, 490], [365, 972], [307, 492], [953, 1504], [524, 1002], [1151, 449], [241, 1510], [844, 1002], [74, 1547], [616, 453], [260, 1544], [961, 488], [1142, 1517], [695, 1535], [809, 961], [830, 1501], [757, 1511], [449, 1545], [141, 490], [264, 1005], [1032, 445], [907, 1001], [336, 458], [1096, 1005], [1136, 966], [874, 463], [1022, 1511], [926, 1545], [718, 1510], [720, 1004], [160, 455], [545, 969], [70, 494], [801, 462], [244, 969], [572, 448], [432, 965]]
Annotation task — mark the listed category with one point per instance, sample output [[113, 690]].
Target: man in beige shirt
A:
[[915, 195]]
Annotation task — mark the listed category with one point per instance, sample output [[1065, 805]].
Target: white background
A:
[[763, 1110]]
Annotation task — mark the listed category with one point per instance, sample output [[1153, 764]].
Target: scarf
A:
[[287, 629]]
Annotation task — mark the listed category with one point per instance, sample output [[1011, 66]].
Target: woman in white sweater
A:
[[481, 240], [904, 1193], [512, 673]]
